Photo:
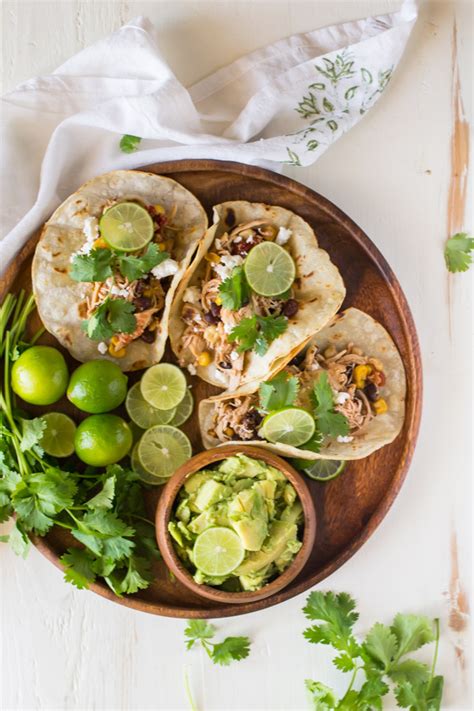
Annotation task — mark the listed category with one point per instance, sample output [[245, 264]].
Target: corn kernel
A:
[[360, 375], [212, 257], [162, 246], [218, 301], [380, 406], [114, 340], [100, 243], [117, 353], [159, 209], [204, 359], [229, 431]]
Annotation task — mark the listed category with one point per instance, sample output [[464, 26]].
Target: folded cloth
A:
[[285, 103]]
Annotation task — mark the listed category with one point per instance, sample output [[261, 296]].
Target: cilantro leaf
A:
[[197, 630], [8, 483], [322, 696], [137, 577], [338, 612], [257, 332], [78, 567], [234, 291], [136, 267], [457, 252], [231, 649], [329, 423], [32, 432], [111, 317], [94, 266], [40, 497], [129, 143], [381, 645], [19, 541], [412, 632], [104, 498], [107, 523], [409, 670], [279, 392]]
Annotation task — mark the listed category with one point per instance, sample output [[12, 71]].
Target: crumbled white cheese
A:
[[102, 347], [192, 295], [283, 236], [218, 244], [91, 228], [341, 398], [192, 369], [234, 355], [219, 375], [238, 239], [228, 327], [227, 263], [166, 268], [344, 439], [117, 291]]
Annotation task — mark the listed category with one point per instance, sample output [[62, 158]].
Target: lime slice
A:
[[183, 410], [144, 475], [218, 551], [162, 449], [292, 426], [269, 269], [58, 435], [322, 469], [126, 227], [163, 386], [142, 413]]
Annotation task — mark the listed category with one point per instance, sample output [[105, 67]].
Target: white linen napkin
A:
[[286, 103]]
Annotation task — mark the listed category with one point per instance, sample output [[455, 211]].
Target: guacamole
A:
[[237, 525]]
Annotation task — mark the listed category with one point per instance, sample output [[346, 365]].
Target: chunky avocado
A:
[[281, 532]]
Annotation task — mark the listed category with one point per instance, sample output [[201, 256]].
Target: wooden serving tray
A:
[[349, 508]]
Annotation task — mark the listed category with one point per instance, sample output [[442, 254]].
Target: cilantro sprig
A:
[[103, 510], [279, 392], [257, 333], [100, 264], [380, 658], [328, 422], [234, 291], [222, 653], [457, 252], [110, 317]]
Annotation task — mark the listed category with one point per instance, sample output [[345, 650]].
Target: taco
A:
[[258, 288], [350, 379], [108, 263]]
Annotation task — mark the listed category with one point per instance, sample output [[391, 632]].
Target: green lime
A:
[[58, 435], [162, 449], [142, 473], [321, 469], [292, 426], [163, 386], [126, 227], [183, 410], [142, 413], [40, 375], [269, 269], [102, 439], [97, 386], [218, 551]]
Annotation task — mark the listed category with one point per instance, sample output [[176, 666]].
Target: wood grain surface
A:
[[348, 508]]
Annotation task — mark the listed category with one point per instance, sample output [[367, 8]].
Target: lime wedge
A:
[[218, 551], [321, 469], [269, 269], [144, 475], [183, 410], [162, 449], [142, 413], [58, 435], [163, 386], [126, 227], [292, 426]]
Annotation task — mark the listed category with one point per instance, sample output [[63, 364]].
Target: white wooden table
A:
[[65, 649]]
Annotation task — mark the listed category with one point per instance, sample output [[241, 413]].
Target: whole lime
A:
[[102, 439], [40, 375], [97, 386]]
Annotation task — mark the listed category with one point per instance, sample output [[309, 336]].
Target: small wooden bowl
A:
[[165, 508]]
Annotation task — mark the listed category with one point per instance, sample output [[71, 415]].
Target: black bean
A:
[[252, 420], [372, 392], [148, 336], [225, 365], [230, 217], [210, 318], [215, 309], [290, 308], [298, 359], [142, 303]]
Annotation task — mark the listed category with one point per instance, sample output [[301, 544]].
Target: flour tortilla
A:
[[318, 288], [363, 331], [58, 297]]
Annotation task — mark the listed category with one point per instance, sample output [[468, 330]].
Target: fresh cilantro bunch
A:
[[110, 317], [222, 653], [100, 264], [380, 659], [257, 333], [234, 291], [457, 252]]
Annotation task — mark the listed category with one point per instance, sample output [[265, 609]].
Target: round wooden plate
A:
[[349, 508]]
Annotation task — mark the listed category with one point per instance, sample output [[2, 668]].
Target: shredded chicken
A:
[[230, 419], [143, 319], [210, 292]]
